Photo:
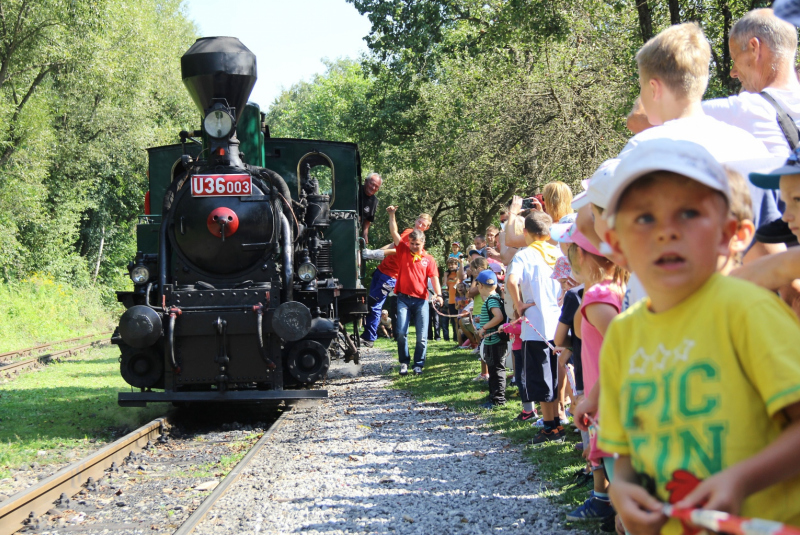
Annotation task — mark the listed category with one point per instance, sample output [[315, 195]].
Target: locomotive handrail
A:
[[288, 268]]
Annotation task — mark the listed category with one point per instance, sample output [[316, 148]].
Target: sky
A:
[[289, 37]]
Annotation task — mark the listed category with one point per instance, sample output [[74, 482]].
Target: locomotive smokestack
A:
[[219, 68]]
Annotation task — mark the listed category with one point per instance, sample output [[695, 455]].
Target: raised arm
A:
[[393, 224]]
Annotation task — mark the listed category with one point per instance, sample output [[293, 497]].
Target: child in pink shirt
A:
[[602, 301]]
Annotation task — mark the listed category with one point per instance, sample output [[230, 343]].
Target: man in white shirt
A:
[[763, 49]]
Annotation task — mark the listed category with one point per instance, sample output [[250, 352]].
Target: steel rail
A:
[[200, 513], [28, 350], [70, 480], [15, 368]]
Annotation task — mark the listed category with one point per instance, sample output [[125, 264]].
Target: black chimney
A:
[[219, 67]]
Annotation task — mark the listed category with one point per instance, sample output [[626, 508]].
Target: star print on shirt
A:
[[641, 361]]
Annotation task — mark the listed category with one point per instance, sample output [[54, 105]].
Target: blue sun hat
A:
[[772, 179], [486, 277]]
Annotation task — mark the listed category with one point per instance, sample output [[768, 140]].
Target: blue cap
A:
[[487, 277], [772, 179]]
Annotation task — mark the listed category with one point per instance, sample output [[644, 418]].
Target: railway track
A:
[[10, 355], [148, 457], [37, 500], [10, 370]]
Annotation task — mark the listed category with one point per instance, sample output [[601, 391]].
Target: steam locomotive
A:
[[245, 278]]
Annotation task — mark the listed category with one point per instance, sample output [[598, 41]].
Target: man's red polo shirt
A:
[[413, 275], [390, 264]]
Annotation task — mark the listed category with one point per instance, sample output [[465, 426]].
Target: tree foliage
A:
[[463, 103], [85, 87]]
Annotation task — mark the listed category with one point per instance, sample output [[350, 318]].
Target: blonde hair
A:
[[595, 269], [557, 199], [425, 217], [678, 56], [741, 202]]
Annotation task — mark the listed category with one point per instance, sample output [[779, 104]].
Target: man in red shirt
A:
[[415, 268], [384, 279]]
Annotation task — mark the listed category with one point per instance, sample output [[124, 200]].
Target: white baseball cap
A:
[[597, 187], [677, 156]]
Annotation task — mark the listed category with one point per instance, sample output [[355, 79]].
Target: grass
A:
[[448, 380], [55, 414], [39, 310]]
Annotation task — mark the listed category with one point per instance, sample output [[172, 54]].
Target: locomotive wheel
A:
[[142, 368], [308, 361]]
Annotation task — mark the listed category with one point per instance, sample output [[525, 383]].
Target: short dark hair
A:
[[417, 235], [538, 223]]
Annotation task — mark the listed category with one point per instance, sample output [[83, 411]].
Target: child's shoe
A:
[[544, 435], [524, 416], [592, 509]]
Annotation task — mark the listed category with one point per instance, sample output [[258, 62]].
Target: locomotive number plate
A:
[[221, 185]]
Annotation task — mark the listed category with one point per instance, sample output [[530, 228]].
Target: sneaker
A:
[[592, 509], [513, 381], [476, 350], [466, 345], [373, 254], [404, 369], [417, 370], [366, 343], [548, 436], [482, 377], [524, 416]]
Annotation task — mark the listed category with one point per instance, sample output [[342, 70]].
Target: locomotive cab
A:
[[245, 278]]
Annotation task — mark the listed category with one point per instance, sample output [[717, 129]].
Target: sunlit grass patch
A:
[[56, 414]]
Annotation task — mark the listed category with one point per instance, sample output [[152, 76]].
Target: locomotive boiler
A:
[[247, 268]]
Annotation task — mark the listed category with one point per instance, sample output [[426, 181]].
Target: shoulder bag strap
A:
[[788, 126]]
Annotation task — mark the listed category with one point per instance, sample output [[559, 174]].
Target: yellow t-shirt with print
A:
[[691, 391]]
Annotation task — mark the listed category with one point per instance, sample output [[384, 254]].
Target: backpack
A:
[[504, 338]]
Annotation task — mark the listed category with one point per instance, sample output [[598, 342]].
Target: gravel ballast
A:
[[370, 459]]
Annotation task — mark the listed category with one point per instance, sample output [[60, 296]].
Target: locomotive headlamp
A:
[[218, 123], [140, 274], [307, 272]]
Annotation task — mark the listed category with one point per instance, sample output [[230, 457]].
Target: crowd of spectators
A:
[[656, 311]]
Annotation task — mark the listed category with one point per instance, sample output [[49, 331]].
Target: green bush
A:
[[40, 309]]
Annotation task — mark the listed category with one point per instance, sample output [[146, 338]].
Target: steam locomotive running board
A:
[[141, 399]]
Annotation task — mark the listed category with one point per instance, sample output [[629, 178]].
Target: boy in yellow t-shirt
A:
[[700, 383]]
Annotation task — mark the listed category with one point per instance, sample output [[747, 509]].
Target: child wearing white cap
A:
[[700, 400]]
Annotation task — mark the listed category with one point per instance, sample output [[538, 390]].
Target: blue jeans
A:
[[381, 286], [408, 306]]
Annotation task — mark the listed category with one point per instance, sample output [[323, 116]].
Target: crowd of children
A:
[[632, 312]]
